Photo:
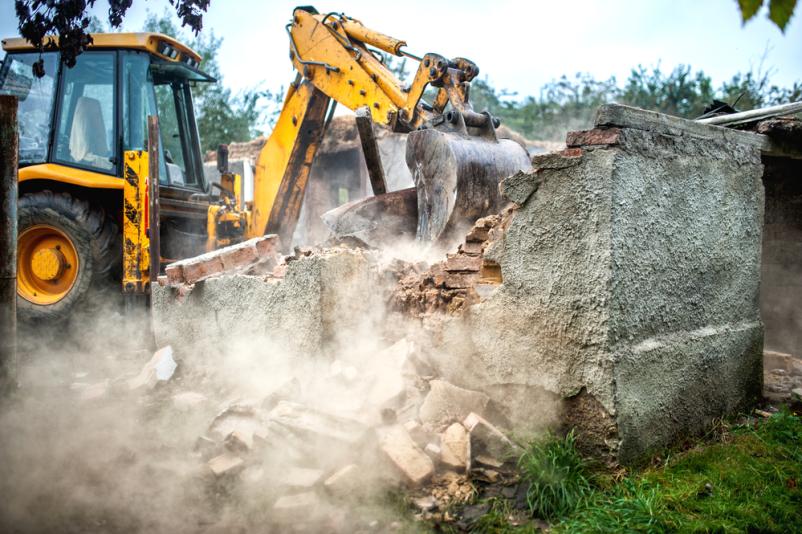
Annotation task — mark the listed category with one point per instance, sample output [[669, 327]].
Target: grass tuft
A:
[[749, 483], [557, 476]]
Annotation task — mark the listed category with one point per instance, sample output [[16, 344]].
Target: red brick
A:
[[597, 136], [471, 248], [201, 268], [268, 245], [174, 274], [477, 235], [238, 256], [463, 262], [456, 280]]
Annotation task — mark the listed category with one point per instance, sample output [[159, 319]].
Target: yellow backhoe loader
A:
[[85, 160]]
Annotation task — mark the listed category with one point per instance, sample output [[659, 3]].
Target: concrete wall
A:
[[304, 313], [781, 291], [630, 275]]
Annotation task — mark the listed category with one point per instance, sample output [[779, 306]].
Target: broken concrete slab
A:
[[226, 464], [345, 481], [160, 368], [240, 418], [446, 403], [409, 460], [485, 437], [239, 442], [455, 446], [317, 425]]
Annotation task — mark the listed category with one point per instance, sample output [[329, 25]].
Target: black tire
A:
[[96, 239]]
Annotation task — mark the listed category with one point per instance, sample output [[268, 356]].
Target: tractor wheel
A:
[[65, 249]]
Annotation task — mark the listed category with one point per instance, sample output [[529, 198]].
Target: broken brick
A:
[[267, 246], [238, 256], [239, 442], [411, 462], [596, 136], [455, 448], [471, 248], [201, 268], [463, 262], [489, 439], [173, 275], [226, 464]]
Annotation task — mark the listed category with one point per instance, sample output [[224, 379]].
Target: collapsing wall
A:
[[630, 276], [624, 280]]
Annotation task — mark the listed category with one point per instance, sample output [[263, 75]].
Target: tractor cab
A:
[[75, 124], [83, 118]]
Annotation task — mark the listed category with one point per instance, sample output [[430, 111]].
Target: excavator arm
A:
[[334, 57]]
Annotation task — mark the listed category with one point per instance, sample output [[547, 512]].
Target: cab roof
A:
[[156, 43]]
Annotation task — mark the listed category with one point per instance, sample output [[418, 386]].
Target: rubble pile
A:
[[461, 279], [383, 425]]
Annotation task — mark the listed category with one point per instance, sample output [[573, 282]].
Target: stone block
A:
[[345, 481], [455, 447], [485, 437], [409, 460], [226, 464]]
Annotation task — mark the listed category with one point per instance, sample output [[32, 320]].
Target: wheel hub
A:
[[47, 264]]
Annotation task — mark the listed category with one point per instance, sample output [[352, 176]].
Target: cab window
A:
[[35, 101], [86, 126], [139, 101]]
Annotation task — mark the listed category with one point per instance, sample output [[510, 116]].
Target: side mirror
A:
[[222, 159]]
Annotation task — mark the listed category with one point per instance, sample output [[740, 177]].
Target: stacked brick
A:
[[259, 251], [449, 285]]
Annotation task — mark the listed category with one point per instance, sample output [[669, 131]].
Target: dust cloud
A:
[[83, 450]]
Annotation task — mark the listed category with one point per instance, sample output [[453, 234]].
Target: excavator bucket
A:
[[457, 173], [456, 168]]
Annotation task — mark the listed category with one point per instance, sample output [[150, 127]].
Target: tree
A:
[[70, 23], [222, 117], [780, 11]]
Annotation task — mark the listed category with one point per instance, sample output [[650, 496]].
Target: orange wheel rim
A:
[[47, 264]]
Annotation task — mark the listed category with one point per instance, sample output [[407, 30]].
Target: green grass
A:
[[498, 520], [746, 483], [557, 476]]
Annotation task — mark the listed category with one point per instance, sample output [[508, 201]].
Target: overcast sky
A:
[[519, 46]]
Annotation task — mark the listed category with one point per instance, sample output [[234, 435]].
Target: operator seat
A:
[[88, 143]]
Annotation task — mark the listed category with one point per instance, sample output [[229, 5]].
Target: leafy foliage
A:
[[222, 116], [569, 103], [780, 11], [69, 21], [557, 476]]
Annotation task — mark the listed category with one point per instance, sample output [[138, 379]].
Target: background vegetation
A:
[[564, 104]]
